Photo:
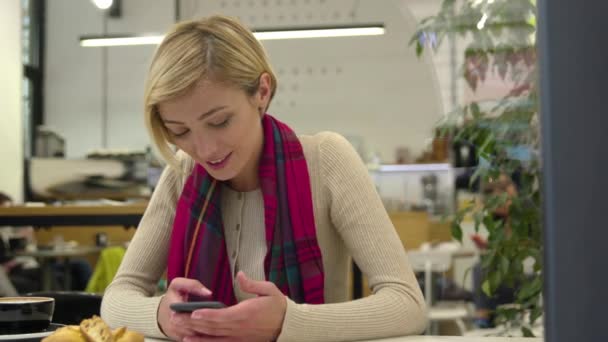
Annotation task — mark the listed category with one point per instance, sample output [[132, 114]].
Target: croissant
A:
[[93, 330]]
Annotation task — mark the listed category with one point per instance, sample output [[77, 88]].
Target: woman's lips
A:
[[216, 165]]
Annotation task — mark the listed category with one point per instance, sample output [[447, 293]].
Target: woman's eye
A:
[[180, 134], [220, 124]]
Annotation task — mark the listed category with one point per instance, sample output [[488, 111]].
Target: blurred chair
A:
[[439, 261], [72, 307], [106, 268]]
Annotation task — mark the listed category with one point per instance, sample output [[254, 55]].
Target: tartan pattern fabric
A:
[[293, 261]]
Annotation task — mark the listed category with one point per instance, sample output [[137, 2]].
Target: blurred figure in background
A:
[[17, 274], [486, 306], [6, 286], [7, 289], [23, 272]]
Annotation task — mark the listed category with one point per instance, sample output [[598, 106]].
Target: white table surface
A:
[[459, 339], [438, 339]]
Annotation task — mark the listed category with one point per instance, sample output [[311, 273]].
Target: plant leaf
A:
[[419, 49], [495, 279], [456, 231], [527, 332], [488, 259], [485, 287], [530, 289], [504, 265], [489, 223], [447, 5], [478, 216], [475, 111], [535, 314]]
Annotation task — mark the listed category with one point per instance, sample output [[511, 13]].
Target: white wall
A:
[[73, 83], [11, 129], [374, 88], [447, 58]]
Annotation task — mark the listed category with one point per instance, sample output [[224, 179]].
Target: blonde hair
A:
[[217, 48]]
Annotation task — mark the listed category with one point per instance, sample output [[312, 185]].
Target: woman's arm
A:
[[396, 306], [129, 301]]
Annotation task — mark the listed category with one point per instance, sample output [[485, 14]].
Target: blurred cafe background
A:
[[421, 100]]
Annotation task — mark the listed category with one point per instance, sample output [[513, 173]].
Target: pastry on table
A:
[[93, 330]]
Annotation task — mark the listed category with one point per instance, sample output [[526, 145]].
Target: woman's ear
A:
[[264, 91]]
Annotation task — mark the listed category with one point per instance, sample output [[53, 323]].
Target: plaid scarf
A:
[[293, 261]]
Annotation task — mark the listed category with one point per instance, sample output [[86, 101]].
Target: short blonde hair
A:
[[218, 48]]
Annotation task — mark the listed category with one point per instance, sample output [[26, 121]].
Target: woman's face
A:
[[219, 126]]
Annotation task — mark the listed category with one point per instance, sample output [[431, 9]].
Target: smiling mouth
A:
[[219, 163], [214, 162]]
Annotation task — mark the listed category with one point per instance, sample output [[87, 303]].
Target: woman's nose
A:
[[205, 148]]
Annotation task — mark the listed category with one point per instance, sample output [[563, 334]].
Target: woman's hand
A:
[[256, 319], [178, 292]]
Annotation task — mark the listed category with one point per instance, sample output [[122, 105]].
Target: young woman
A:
[[252, 215]]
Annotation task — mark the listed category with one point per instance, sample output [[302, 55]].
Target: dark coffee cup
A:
[[17, 244], [22, 315]]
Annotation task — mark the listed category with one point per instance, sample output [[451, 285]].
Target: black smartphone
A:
[[192, 306]]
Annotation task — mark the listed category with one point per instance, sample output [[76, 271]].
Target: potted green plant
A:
[[505, 135]]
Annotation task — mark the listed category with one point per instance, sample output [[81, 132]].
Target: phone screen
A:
[[192, 306]]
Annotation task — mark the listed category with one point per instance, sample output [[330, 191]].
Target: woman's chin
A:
[[220, 175]]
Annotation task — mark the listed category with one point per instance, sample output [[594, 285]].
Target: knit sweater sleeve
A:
[[130, 299], [396, 306]]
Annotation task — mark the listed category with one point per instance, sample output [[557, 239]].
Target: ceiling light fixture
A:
[[260, 34], [103, 4]]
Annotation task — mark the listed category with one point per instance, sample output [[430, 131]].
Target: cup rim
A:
[[24, 300]]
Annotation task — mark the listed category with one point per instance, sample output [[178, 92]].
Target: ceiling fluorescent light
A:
[[260, 34], [320, 32], [119, 40]]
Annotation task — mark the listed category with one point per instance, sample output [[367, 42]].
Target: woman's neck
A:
[[245, 183]]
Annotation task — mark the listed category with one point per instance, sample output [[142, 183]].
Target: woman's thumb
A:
[[260, 288], [190, 286]]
